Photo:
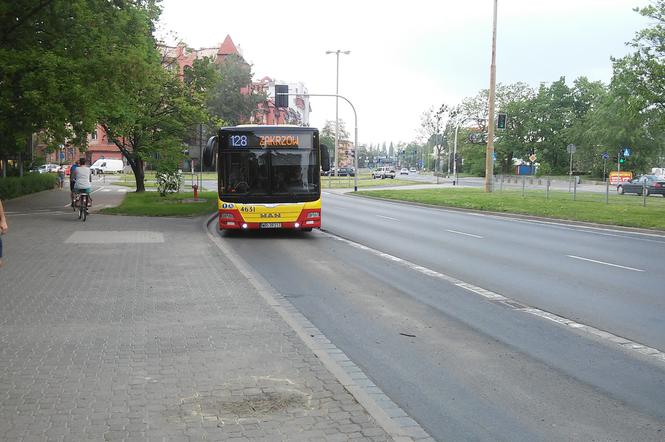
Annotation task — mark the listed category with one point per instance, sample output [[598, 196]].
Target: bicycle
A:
[[81, 200]]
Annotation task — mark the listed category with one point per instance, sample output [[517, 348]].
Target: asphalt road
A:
[[464, 367]]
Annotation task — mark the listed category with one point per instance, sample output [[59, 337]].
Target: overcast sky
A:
[[407, 56]]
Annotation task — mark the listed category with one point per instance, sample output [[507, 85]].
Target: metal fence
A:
[[548, 188]]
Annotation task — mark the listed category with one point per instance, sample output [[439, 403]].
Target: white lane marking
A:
[[597, 230], [387, 217], [462, 233], [106, 190], [574, 227], [626, 344], [605, 263], [122, 190]]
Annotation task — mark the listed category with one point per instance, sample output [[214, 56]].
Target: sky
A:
[[408, 56]]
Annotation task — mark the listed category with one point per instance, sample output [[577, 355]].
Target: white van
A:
[[104, 165]]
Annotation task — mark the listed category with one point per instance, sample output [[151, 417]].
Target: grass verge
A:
[[622, 210], [151, 204]]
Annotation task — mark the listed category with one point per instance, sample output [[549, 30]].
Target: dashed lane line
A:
[[387, 217], [605, 263], [464, 233], [625, 343]]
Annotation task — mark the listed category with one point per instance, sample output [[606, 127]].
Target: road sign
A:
[[571, 148], [626, 152], [605, 155], [532, 157]]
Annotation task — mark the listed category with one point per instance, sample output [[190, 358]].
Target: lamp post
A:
[[489, 156], [337, 52]]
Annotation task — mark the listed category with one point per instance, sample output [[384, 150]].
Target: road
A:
[[407, 294]]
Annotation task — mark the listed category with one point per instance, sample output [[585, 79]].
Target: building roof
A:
[[227, 47]]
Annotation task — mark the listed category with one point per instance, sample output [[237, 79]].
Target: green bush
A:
[[11, 187]]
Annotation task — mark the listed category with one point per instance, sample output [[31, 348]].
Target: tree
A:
[[639, 80], [58, 59], [433, 123], [152, 122], [225, 99], [327, 136]]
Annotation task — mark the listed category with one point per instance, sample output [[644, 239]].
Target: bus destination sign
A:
[[279, 140], [269, 140]]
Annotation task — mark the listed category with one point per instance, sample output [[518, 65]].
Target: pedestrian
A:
[[61, 177], [3, 228]]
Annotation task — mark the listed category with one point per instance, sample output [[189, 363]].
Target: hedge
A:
[[11, 187]]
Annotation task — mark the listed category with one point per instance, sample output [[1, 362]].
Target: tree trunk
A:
[[139, 174]]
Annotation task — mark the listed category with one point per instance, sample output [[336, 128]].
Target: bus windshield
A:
[[267, 172]]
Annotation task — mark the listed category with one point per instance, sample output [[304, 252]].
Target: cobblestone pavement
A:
[[124, 328]]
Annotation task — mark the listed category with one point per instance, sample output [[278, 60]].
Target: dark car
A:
[[346, 171], [650, 184]]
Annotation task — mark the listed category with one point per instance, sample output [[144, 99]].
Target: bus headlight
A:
[[244, 226], [313, 215], [296, 225]]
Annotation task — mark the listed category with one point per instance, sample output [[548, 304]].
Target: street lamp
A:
[[337, 52], [489, 155]]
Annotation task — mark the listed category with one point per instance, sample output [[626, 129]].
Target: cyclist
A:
[[83, 180]]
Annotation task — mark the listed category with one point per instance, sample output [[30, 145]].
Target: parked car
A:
[[650, 184], [44, 168], [346, 171], [413, 170], [384, 172], [404, 171]]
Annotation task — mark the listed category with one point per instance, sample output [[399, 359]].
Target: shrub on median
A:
[[11, 187]]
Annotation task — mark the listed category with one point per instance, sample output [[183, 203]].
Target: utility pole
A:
[[489, 156]]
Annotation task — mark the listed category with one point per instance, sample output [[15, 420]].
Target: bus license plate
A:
[[271, 225]]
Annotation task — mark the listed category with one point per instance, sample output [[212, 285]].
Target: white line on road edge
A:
[[462, 233], [626, 344], [383, 410], [387, 217], [605, 263]]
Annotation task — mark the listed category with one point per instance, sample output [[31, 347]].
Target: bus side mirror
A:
[[325, 158], [210, 151]]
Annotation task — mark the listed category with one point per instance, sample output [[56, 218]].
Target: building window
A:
[[93, 135]]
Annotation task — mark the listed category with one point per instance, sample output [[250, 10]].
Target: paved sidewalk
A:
[[125, 328]]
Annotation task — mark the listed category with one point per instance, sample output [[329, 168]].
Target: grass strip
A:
[[176, 204], [622, 210]]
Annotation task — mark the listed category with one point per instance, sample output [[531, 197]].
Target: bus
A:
[[268, 177]]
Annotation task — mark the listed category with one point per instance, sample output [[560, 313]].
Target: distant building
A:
[[267, 113], [177, 58]]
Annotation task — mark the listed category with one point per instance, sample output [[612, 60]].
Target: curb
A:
[[388, 415]]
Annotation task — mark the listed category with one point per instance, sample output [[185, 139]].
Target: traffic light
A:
[[622, 159], [501, 121], [281, 100]]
